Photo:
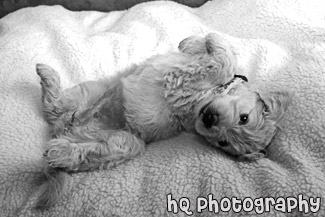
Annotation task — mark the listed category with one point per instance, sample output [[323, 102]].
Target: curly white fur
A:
[[98, 124]]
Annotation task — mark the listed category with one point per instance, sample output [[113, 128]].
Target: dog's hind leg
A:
[[59, 107], [84, 151], [91, 150], [51, 90]]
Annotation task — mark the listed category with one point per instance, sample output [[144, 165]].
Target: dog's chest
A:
[[146, 111]]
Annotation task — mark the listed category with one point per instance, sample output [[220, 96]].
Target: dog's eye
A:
[[243, 119]]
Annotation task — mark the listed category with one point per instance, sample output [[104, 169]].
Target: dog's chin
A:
[[237, 151], [232, 148], [226, 146]]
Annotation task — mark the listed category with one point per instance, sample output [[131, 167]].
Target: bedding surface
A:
[[279, 44]]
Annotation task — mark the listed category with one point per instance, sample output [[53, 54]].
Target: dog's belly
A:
[[109, 117], [107, 112], [110, 111]]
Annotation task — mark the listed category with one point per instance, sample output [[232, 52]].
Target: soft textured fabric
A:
[[279, 44]]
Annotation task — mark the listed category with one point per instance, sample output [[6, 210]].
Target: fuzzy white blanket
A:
[[280, 44]]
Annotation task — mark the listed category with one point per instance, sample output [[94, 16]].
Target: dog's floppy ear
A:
[[193, 45], [275, 103]]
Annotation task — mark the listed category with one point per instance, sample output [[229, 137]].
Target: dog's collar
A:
[[225, 88]]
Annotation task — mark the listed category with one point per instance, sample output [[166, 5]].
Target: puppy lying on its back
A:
[[98, 124]]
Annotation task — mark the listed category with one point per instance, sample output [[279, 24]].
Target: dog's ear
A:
[[193, 45], [275, 103]]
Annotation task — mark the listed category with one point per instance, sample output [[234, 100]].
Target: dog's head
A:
[[242, 122]]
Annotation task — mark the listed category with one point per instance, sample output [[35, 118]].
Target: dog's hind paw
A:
[[50, 82], [60, 153]]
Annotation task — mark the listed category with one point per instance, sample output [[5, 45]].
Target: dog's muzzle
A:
[[210, 116]]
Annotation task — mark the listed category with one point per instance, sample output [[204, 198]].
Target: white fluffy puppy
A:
[[98, 124]]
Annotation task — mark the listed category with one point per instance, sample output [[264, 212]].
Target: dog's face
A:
[[242, 122]]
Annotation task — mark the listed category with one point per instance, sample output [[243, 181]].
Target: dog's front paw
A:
[[61, 153]]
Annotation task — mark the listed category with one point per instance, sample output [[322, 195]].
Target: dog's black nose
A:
[[223, 143], [210, 118]]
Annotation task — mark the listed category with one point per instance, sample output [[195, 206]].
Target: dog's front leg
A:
[[83, 151]]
